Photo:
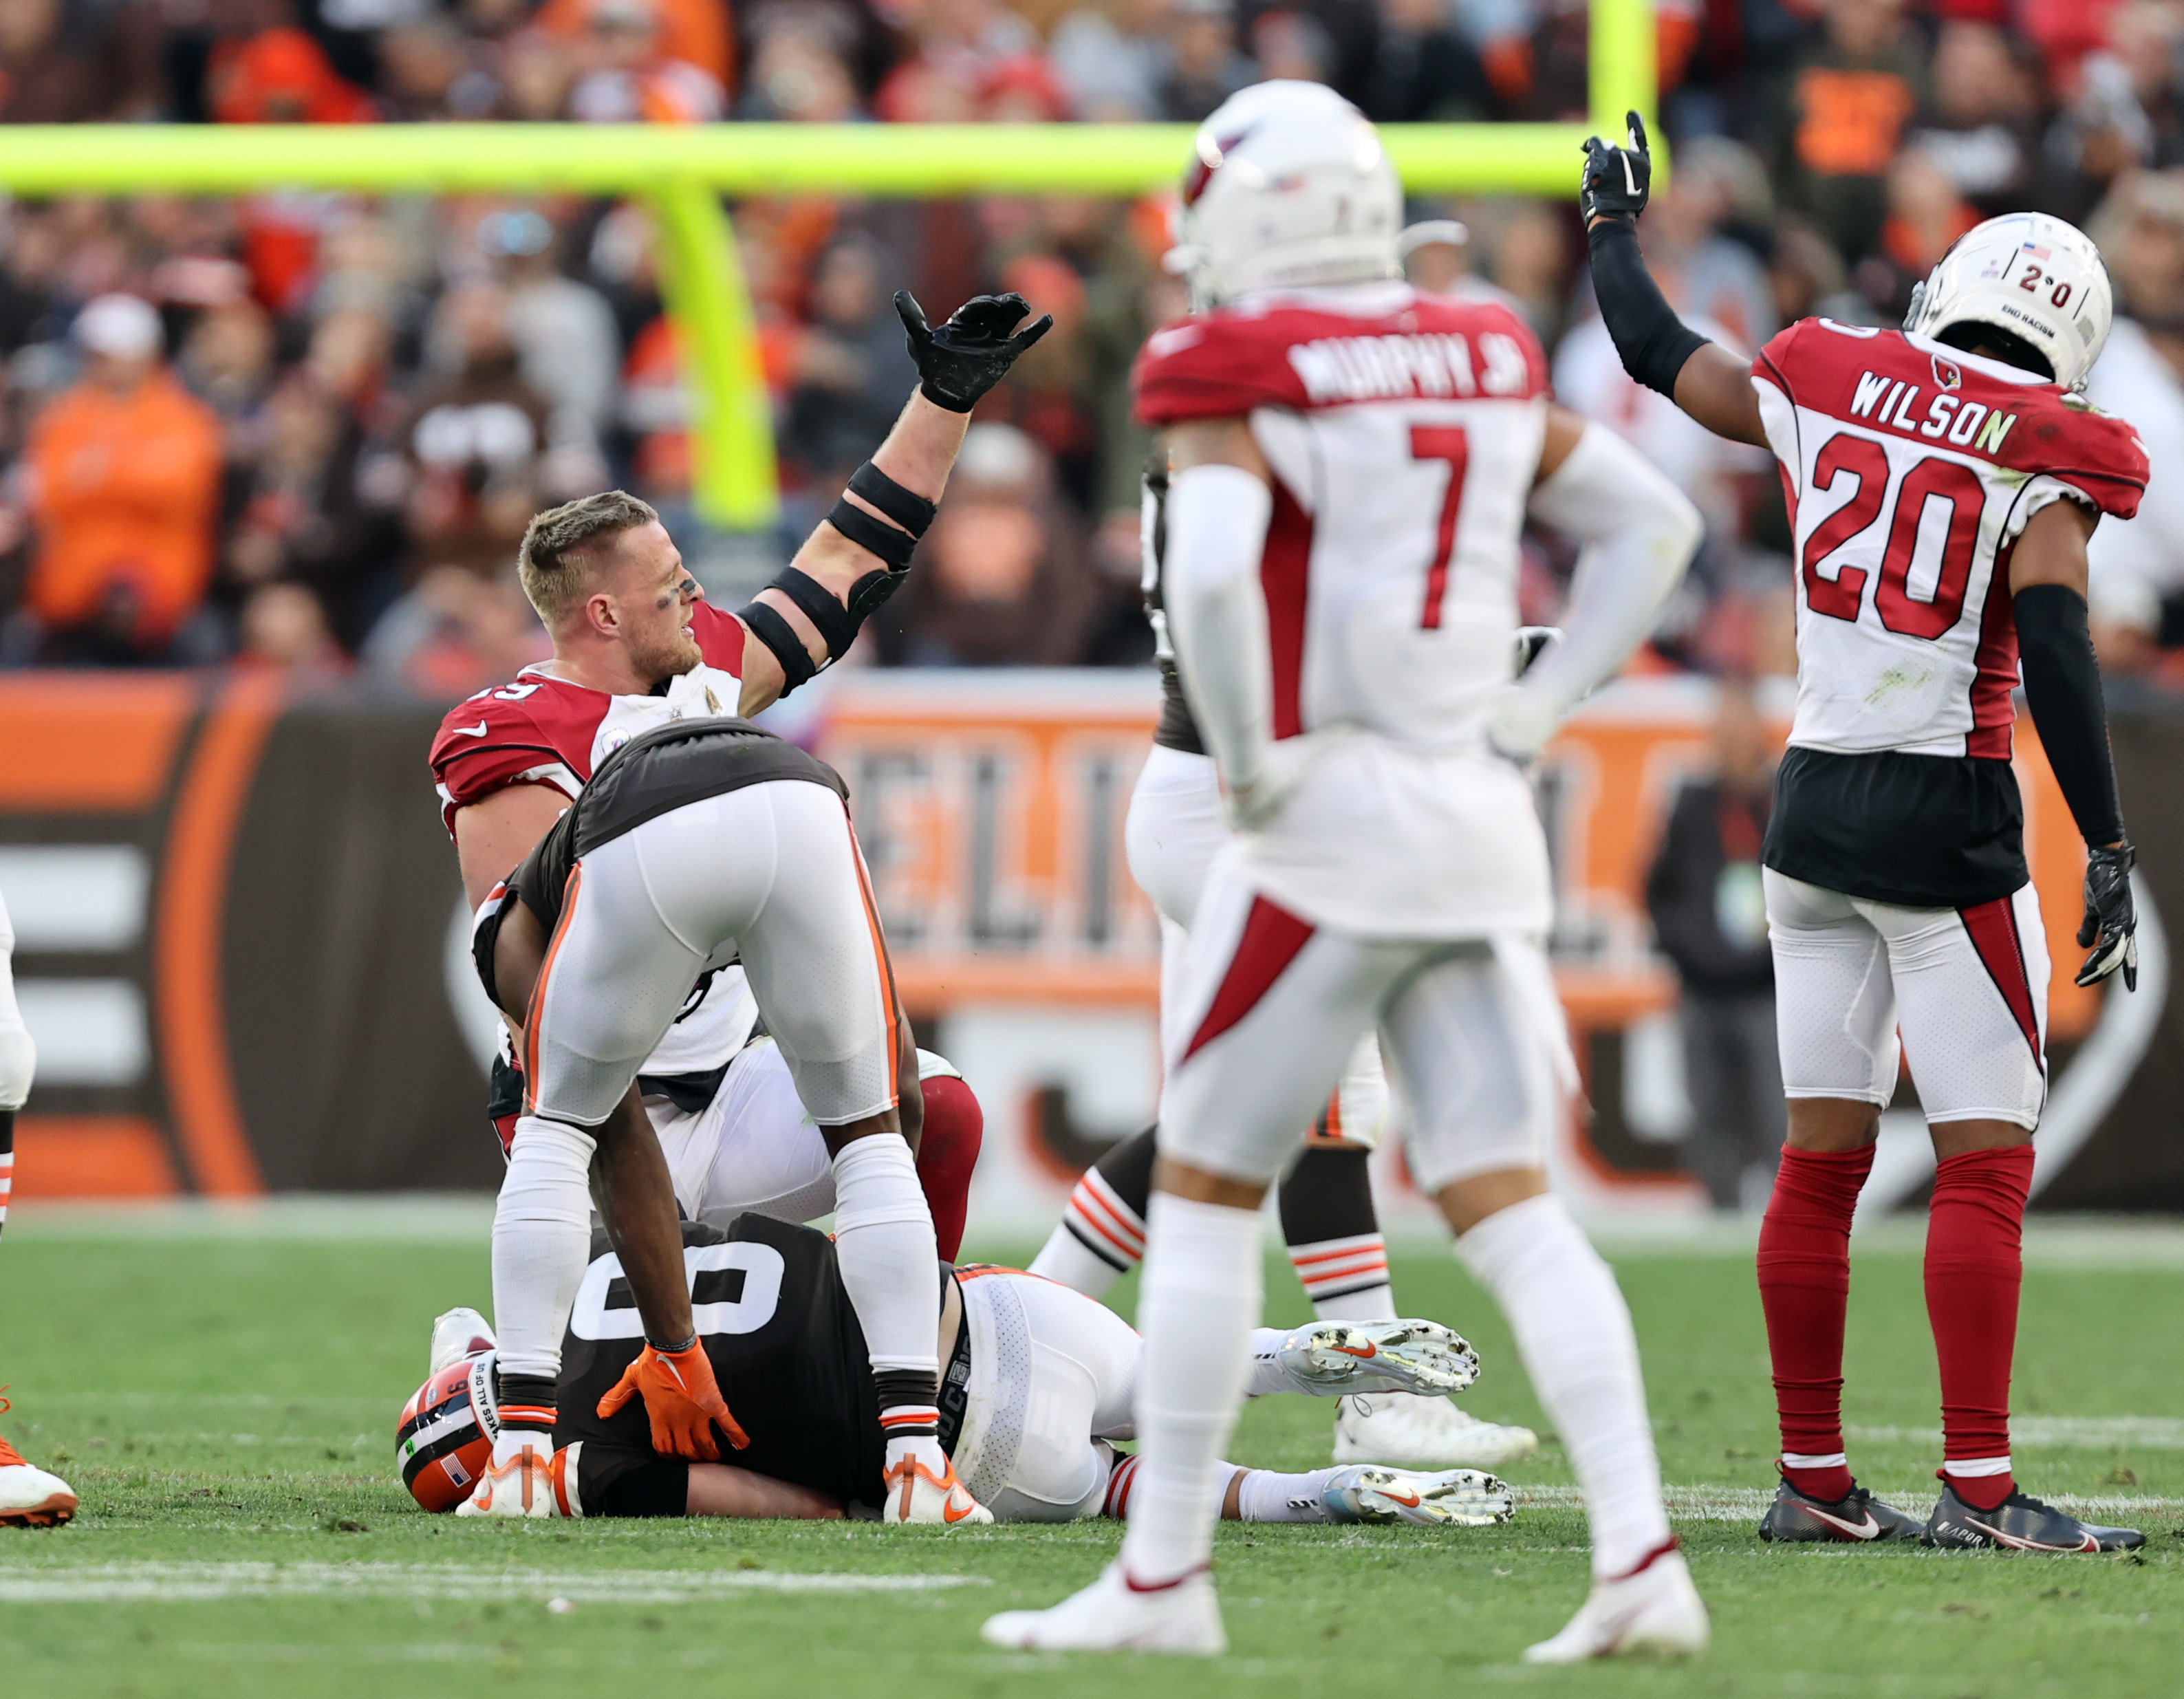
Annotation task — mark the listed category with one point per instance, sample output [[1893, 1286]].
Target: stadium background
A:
[[245, 571]]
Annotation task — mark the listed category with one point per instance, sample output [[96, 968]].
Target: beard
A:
[[674, 655]]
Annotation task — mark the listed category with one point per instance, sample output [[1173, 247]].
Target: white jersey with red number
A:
[[544, 730], [1403, 432], [1910, 470]]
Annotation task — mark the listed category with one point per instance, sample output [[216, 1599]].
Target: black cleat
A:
[[1856, 1516], [2020, 1523]]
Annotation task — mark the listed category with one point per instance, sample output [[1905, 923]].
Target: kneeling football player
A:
[[1039, 1381], [717, 837]]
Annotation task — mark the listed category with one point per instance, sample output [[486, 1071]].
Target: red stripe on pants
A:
[[1973, 1268], [1272, 938], [1993, 926]]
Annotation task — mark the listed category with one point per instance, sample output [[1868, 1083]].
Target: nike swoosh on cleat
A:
[[951, 1515], [1405, 1497], [2018, 1543], [477, 731], [1867, 1530], [1352, 1350]]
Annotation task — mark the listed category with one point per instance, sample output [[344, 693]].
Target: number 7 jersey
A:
[[1910, 470], [1403, 432]]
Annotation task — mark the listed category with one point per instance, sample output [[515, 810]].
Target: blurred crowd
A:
[[305, 431]]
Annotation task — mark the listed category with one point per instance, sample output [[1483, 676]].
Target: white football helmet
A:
[[2028, 274], [1288, 188]]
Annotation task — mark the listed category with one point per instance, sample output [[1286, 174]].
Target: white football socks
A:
[[890, 1265], [542, 1242], [1261, 1495], [1574, 1333], [1202, 1291], [1267, 1495]]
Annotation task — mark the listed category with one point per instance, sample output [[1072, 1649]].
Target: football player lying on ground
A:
[[1041, 1380], [747, 853]]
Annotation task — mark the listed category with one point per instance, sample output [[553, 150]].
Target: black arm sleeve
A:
[[1653, 342], [2063, 688]]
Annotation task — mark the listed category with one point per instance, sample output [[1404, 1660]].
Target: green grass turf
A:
[[233, 1401]]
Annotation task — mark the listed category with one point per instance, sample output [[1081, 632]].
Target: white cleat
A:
[[458, 1334], [1116, 1614], [532, 1483], [1654, 1609], [1421, 1433], [1380, 1357], [29, 1497], [915, 1495], [1450, 1498]]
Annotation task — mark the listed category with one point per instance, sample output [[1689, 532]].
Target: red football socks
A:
[[1804, 1288], [1974, 1267]]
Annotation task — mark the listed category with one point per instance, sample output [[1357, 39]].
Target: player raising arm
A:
[[1942, 481], [637, 648]]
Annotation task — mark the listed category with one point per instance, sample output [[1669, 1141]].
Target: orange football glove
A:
[[682, 1399]]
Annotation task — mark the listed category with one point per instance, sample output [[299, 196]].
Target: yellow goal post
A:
[[683, 172]]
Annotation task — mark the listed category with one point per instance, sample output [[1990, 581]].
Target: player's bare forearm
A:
[[724, 1489], [919, 454], [637, 1200]]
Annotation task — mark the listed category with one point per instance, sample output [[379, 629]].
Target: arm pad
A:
[[2063, 688], [1652, 341], [1217, 531], [1639, 532]]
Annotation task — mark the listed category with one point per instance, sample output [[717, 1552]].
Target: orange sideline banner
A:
[[240, 928]]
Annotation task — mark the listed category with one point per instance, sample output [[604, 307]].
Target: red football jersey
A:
[[544, 730], [1910, 470]]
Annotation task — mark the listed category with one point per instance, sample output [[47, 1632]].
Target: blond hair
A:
[[556, 559]]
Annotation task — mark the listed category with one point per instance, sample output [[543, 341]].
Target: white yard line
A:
[[2072, 1432], [1704, 1503], [184, 1583]]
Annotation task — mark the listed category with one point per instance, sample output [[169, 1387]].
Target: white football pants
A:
[[1174, 829], [1969, 987], [1270, 1009], [769, 874]]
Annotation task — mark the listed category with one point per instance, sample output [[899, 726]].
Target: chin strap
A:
[[837, 619]]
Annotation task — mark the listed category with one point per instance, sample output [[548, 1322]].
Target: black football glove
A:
[[2111, 922], [971, 353], [1617, 179]]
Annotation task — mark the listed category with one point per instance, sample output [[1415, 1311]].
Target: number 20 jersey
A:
[[1403, 432], [1910, 470]]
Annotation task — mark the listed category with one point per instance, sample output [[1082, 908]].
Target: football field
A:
[[223, 1396]]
